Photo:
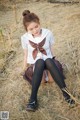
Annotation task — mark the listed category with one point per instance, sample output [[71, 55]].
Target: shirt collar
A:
[[43, 35]]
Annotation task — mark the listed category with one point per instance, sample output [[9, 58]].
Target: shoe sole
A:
[[32, 110]]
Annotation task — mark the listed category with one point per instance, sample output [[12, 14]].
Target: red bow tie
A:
[[38, 47]]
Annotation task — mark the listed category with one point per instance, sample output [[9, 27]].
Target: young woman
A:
[[37, 43]]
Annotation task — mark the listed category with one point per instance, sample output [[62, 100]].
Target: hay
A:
[[64, 22]]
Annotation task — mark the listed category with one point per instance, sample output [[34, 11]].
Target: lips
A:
[[36, 33]]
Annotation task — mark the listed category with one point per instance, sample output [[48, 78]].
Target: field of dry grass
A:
[[64, 21]]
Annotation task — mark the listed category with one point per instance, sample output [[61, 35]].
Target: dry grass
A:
[[64, 21]]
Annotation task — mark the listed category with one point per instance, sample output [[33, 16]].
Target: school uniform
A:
[[39, 53]]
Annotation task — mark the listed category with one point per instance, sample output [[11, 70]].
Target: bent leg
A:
[[55, 73], [59, 79], [37, 77]]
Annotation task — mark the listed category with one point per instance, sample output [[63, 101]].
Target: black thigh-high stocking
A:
[[56, 75], [37, 77]]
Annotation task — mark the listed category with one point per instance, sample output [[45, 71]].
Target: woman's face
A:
[[34, 28]]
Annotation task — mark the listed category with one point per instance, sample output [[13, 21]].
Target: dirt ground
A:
[[64, 21]]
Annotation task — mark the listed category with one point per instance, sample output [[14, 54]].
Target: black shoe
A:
[[68, 99], [32, 106]]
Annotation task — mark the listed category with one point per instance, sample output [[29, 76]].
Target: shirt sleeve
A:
[[51, 41], [24, 42]]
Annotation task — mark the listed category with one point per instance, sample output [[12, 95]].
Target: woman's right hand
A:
[[24, 62], [22, 72]]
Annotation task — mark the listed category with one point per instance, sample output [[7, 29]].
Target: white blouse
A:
[[26, 45]]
